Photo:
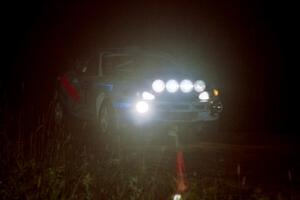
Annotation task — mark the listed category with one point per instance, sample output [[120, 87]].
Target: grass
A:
[[50, 162]]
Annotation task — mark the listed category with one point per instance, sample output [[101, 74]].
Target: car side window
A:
[[114, 63]]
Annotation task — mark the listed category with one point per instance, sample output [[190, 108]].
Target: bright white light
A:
[[172, 86], [142, 107], [177, 197], [186, 86], [148, 96], [199, 86], [158, 86], [204, 96]]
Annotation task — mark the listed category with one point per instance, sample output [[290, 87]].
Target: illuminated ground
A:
[[269, 169], [80, 161]]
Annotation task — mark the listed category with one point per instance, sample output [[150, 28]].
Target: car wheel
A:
[[107, 130], [106, 122], [58, 113]]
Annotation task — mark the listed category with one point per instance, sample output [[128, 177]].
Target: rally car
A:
[[120, 87]]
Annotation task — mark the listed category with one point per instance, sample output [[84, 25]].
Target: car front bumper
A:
[[168, 112]]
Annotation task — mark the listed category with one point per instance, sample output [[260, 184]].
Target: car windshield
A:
[[112, 64]]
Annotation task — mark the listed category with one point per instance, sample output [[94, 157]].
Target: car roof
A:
[[136, 51]]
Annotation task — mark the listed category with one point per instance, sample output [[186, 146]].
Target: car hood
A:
[[143, 82]]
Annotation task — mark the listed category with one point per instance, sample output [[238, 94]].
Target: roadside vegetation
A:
[[44, 161]]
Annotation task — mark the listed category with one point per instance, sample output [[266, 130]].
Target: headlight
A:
[[142, 107], [204, 96], [199, 86], [158, 86], [172, 86], [186, 86], [148, 96]]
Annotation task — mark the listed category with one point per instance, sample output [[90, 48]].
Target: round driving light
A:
[[172, 86], [148, 96], [199, 86], [142, 107], [177, 197], [204, 96], [186, 86], [158, 86]]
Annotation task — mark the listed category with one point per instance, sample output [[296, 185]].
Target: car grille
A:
[[178, 115], [172, 107], [177, 97], [200, 107], [179, 107]]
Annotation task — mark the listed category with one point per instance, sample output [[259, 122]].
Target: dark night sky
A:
[[248, 47]]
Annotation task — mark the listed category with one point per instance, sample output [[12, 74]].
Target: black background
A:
[[249, 48]]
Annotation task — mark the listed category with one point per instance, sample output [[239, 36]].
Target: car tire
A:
[[107, 130], [106, 122], [57, 112], [61, 118]]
